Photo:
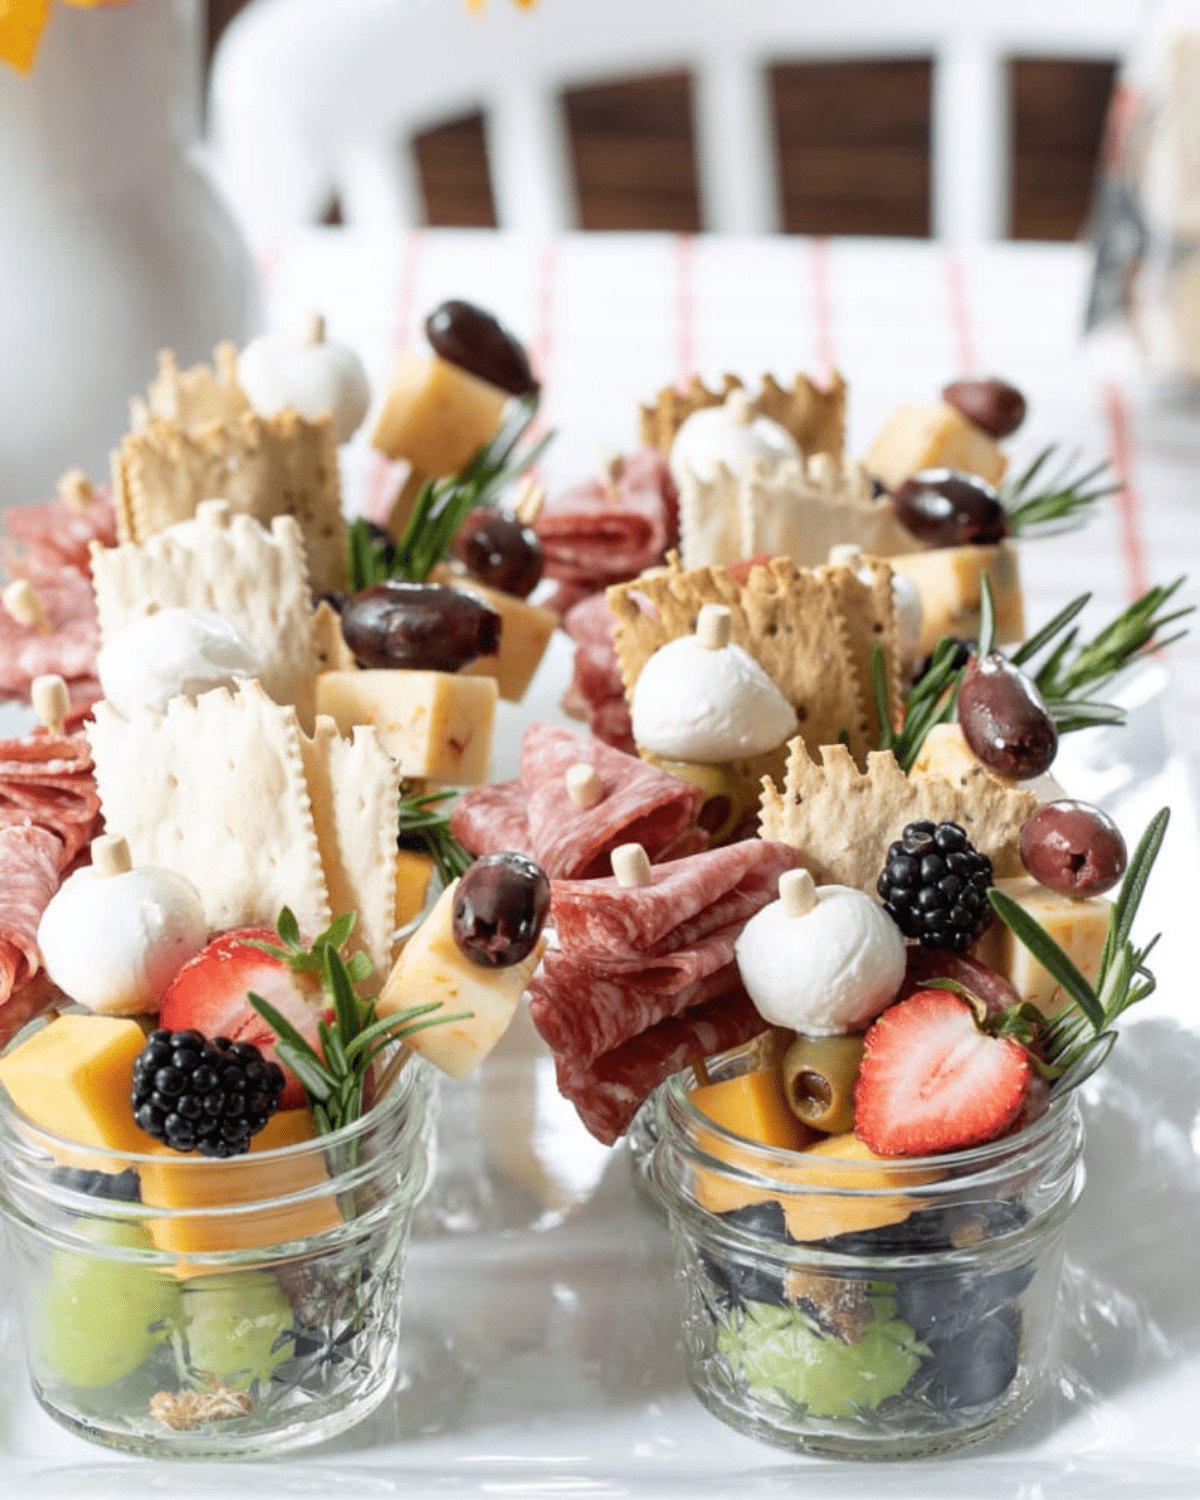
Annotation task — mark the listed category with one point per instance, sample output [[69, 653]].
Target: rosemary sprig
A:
[[427, 830], [442, 506], [930, 701], [1075, 1043], [1062, 502], [334, 1078]]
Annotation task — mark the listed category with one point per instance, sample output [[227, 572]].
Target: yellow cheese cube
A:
[[413, 874], [754, 1105], [949, 581], [946, 753], [932, 437], [1079, 927], [436, 415], [192, 1182], [435, 724], [433, 967], [74, 1076], [525, 632]]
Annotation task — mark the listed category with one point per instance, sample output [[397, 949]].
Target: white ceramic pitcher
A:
[[113, 243]]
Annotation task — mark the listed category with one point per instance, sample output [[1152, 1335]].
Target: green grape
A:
[[236, 1326], [775, 1349], [97, 1318]]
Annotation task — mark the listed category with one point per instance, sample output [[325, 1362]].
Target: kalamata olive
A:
[[475, 341], [994, 405], [500, 908], [500, 552], [428, 627], [946, 508], [962, 654], [1004, 718], [1073, 848]]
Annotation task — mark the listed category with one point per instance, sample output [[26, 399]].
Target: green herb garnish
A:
[[442, 506], [928, 702], [1063, 502], [427, 830], [1075, 1043], [334, 1081]]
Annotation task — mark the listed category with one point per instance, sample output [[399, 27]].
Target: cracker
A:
[[841, 820], [330, 651], [354, 789], [788, 619], [215, 790], [263, 466], [709, 519], [815, 418], [190, 398], [233, 565], [801, 510], [867, 603]]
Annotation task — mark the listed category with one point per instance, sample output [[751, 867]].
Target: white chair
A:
[[312, 98]]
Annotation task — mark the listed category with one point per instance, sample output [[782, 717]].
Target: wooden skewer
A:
[[797, 892], [110, 855], [530, 499], [713, 626], [312, 328], [583, 785], [76, 491], [631, 866], [700, 1069], [51, 701], [24, 604], [739, 406], [844, 555]]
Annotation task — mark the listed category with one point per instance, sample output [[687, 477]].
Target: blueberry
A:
[[123, 1187], [976, 1366]]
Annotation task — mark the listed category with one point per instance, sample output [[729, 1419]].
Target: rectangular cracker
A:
[[190, 398], [787, 618], [867, 603], [840, 820], [215, 790], [815, 418], [710, 530], [231, 564], [354, 789], [263, 466]]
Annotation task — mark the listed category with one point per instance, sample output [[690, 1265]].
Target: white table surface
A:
[[544, 1361]]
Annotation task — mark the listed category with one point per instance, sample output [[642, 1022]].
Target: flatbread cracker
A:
[[787, 618], [801, 510], [354, 789], [215, 790], [235, 566], [815, 418], [867, 603], [263, 466], [841, 820], [192, 398], [710, 528]]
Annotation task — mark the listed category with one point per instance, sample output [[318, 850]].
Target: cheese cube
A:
[[413, 874], [949, 581], [946, 753], [1079, 927], [436, 415], [433, 967], [435, 724], [189, 1183], [74, 1078], [525, 631], [932, 437]]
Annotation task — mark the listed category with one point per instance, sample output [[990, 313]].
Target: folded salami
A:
[[40, 540], [597, 689], [30, 862], [491, 819], [47, 780], [68, 648], [596, 534]]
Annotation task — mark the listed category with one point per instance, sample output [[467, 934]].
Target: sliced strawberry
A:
[[209, 995], [931, 1081]]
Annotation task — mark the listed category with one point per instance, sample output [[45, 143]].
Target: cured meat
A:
[[582, 1013], [610, 1090], [639, 804], [47, 780], [600, 923], [43, 539], [68, 648], [491, 819], [30, 859], [593, 534], [596, 685]]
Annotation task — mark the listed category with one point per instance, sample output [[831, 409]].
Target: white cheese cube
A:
[[1078, 927], [949, 581], [946, 753], [932, 437], [436, 415], [435, 724], [433, 967]]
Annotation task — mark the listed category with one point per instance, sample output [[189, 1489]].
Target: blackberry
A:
[[935, 886], [194, 1094]]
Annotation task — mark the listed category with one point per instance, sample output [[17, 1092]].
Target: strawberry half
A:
[[932, 1081], [209, 995]]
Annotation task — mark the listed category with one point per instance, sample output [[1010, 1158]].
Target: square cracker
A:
[[815, 418], [190, 398], [354, 788], [215, 790], [263, 466], [787, 618], [236, 567], [841, 820]]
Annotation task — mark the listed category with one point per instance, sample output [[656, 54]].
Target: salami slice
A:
[[639, 803], [610, 1090], [593, 534], [42, 539], [491, 819], [69, 648], [30, 859], [600, 923], [47, 780]]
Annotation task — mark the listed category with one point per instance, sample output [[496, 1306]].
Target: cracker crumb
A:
[[183, 1410]]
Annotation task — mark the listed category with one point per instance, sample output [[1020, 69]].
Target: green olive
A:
[[731, 790], [818, 1080]]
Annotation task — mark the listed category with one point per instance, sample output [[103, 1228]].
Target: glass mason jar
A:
[[215, 1309], [859, 1310]]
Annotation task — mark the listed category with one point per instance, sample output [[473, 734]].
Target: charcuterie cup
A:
[[858, 1309]]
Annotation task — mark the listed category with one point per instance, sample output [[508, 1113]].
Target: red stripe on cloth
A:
[[382, 478], [824, 346], [541, 345], [960, 315], [1126, 501], [685, 308]]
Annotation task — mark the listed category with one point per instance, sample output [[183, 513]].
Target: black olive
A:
[[945, 508], [500, 908], [420, 626], [475, 341], [500, 552], [994, 405], [1004, 718]]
